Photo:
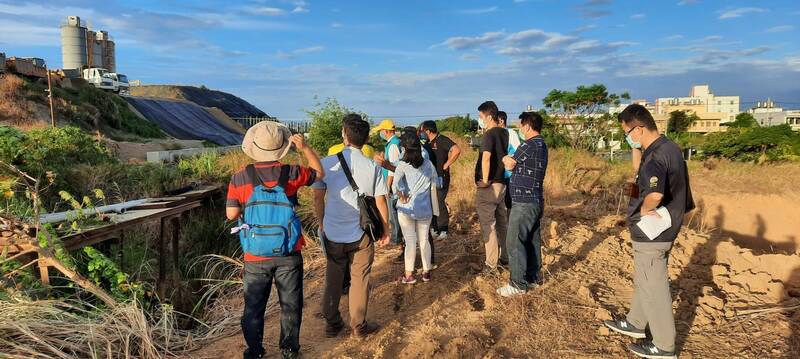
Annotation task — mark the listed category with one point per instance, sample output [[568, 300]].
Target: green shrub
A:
[[115, 113], [773, 143], [50, 149], [462, 125], [326, 125]]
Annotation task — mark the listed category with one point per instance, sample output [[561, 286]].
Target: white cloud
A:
[[336, 25], [465, 42], [638, 16], [299, 10], [710, 38], [298, 52], [739, 12], [672, 37], [781, 28], [20, 33], [687, 2], [268, 11], [470, 57], [484, 10], [593, 9]]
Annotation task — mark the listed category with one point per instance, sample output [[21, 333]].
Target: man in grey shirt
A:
[[347, 247]]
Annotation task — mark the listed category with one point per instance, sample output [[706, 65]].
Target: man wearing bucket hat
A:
[[267, 143], [390, 159]]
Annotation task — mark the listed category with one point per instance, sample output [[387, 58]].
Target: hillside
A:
[[232, 105]]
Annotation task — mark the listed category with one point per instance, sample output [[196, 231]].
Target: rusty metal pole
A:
[[50, 96]]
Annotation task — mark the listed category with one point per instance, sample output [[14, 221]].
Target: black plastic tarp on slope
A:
[[185, 121]]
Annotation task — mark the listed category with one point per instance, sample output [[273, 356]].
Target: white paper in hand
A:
[[652, 226]]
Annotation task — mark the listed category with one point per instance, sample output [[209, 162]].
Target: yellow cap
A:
[[386, 124]]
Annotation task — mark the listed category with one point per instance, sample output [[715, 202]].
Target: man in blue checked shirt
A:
[[528, 165]]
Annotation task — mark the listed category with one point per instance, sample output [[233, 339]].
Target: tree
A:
[[680, 121], [461, 125], [580, 117], [326, 124], [744, 120]]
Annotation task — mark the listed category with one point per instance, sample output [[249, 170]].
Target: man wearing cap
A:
[[267, 143], [389, 160], [348, 249]]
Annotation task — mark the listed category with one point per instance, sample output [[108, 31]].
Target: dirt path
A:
[[588, 271]]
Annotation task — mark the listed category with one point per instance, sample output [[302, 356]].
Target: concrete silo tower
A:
[[74, 50]]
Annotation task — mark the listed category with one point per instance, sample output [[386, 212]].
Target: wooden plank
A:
[[100, 234]]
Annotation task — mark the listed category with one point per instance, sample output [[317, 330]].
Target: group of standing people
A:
[[409, 182]]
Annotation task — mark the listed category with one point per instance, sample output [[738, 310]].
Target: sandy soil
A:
[[730, 301]]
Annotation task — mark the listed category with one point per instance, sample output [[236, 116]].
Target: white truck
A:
[[104, 80], [121, 84]]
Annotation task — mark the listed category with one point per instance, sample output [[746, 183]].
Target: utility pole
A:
[[50, 96]]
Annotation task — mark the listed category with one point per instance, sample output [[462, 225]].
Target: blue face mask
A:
[[636, 145], [423, 136], [383, 137]]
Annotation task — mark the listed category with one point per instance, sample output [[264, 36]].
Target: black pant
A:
[[441, 223], [287, 273]]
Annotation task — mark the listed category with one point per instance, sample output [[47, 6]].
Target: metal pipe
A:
[[116, 208]]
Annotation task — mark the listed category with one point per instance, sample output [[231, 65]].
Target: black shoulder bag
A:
[[370, 217]]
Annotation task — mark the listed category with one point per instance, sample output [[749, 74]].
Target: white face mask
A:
[[481, 124]]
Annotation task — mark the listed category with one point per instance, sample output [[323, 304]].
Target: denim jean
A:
[[287, 273], [524, 242], [394, 223]]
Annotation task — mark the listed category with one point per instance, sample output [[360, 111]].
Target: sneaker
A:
[[290, 354], [365, 329], [649, 350], [433, 233], [509, 291], [442, 236], [622, 326], [332, 330], [426, 276], [408, 279], [533, 285]]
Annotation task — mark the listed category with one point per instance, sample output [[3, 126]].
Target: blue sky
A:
[[416, 60]]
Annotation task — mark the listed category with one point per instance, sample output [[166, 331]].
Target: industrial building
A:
[[83, 48]]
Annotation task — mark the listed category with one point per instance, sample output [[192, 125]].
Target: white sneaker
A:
[[442, 235], [509, 291], [433, 233]]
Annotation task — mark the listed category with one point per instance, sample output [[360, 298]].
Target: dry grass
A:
[[14, 108]]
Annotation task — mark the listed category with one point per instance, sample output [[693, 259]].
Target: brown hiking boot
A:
[[332, 330], [365, 329]]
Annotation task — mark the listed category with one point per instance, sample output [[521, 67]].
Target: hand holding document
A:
[[652, 226]]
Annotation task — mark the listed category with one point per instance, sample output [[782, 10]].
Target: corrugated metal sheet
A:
[[185, 121]]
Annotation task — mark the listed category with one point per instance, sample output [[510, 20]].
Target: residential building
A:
[[767, 114], [702, 102]]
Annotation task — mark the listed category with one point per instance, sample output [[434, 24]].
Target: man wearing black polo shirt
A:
[[491, 191], [443, 153], [662, 180]]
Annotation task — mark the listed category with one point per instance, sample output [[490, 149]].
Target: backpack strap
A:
[[255, 179], [346, 170], [283, 179]]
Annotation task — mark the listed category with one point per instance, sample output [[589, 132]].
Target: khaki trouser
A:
[[358, 256], [493, 216], [652, 302]]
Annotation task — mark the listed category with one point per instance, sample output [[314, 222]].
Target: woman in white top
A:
[[413, 178]]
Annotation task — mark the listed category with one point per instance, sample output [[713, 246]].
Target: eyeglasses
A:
[[631, 130]]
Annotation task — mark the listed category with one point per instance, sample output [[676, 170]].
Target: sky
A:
[[419, 60]]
